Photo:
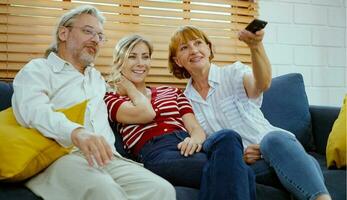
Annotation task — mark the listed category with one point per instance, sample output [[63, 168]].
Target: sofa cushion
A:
[[336, 146], [263, 193], [16, 191], [322, 118], [286, 106], [6, 91], [25, 152], [335, 179]]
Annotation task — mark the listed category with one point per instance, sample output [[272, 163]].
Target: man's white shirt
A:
[[45, 85]]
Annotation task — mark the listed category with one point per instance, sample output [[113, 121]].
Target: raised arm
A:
[[138, 110], [260, 80]]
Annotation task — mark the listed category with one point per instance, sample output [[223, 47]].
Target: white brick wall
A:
[[309, 37]]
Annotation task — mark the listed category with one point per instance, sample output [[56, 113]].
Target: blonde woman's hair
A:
[[183, 35], [121, 54], [68, 19]]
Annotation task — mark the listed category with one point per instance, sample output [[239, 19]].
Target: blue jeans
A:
[[286, 161], [218, 170]]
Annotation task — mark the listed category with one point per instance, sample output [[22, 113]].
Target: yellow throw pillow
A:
[[25, 152], [336, 146]]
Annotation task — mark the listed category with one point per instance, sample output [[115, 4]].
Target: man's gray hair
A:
[[68, 19]]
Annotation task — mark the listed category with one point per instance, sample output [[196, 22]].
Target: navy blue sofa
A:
[[285, 105]]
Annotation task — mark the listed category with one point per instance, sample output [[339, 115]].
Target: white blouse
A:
[[227, 105]]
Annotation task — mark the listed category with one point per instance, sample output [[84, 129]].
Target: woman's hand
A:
[[124, 86], [252, 154], [251, 39], [92, 146], [190, 145]]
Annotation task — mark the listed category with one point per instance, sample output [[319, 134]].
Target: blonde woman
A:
[[159, 128]]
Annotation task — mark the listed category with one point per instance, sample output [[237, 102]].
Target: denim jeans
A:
[[286, 161], [218, 170]]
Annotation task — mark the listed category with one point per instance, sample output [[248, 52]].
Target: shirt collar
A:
[[213, 75], [58, 63], [213, 81]]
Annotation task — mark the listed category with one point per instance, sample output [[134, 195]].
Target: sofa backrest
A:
[[286, 106], [6, 91]]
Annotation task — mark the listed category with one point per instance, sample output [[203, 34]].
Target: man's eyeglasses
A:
[[91, 32]]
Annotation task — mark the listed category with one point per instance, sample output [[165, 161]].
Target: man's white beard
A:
[[87, 59]]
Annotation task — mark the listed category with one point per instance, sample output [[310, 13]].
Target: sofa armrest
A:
[[323, 118]]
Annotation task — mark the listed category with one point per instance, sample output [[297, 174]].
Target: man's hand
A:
[[252, 154], [190, 145], [92, 146]]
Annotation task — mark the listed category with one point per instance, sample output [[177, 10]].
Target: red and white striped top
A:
[[170, 104]]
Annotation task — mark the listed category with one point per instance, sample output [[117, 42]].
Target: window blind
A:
[[26, 29]]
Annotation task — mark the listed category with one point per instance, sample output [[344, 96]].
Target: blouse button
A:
[[165, 129]]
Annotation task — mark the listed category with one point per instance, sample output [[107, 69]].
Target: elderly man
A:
[[94, 170]]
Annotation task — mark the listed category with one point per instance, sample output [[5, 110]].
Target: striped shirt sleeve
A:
[[184, 106], [113, 102], [237, 72]]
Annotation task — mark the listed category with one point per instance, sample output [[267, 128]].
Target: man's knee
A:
[[105, 190], [162, 189]]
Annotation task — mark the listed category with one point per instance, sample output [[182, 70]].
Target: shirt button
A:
[[165, 129]]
